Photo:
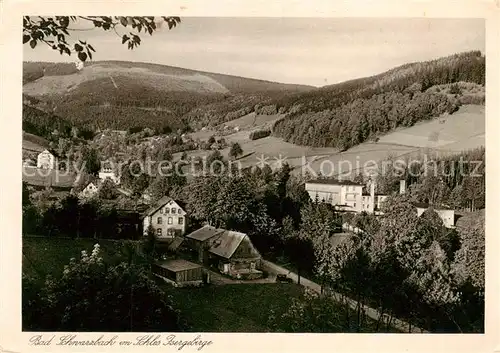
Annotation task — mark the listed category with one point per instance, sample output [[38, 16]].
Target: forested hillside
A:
[[42, 124], [349, 113], [122, 95]]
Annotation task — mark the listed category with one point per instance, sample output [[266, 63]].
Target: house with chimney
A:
[[348, 196]]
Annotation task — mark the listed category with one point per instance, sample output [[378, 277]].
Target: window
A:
[[158, 232], [169, 220], [158, 220], [181, 220], [161, 210], [173, 209], [179, 211], [167, 210]]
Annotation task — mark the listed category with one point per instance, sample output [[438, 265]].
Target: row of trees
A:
[[351, 112], [456, 180], [362, 119], [418, 261], [466, 67]]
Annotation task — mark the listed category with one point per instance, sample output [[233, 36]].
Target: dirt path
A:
[[372, 313]]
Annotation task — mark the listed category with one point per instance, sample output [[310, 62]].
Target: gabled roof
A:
[[90, 183], [204, 233], [226, 243], [49, 150], [333, 182], [160, 203]]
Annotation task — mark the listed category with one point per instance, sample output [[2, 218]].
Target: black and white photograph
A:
[[186, 174]]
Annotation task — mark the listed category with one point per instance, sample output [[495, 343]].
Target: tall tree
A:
[[235, 150]]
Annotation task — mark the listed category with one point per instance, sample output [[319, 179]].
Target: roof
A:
[[226, 243], [436, 207], [204, 233], [174, 244], [160, 203], [177, 265], [334, 182]]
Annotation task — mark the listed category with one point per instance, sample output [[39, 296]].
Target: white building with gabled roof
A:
[[167, 218]]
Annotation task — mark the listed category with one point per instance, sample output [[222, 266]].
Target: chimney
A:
[[372, 196], [402, 186]]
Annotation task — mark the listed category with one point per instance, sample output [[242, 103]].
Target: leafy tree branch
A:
[[55, 31]]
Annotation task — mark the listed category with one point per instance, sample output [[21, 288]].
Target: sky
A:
[[311, 51]]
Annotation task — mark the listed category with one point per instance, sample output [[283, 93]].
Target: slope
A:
[[125, 94]]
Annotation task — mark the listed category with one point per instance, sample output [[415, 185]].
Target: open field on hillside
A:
[[161, 77], [34, 143], [467, 122], [449, 134], [120, 76], [48, 177]]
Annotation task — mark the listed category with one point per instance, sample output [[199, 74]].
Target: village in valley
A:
[[191, 201]]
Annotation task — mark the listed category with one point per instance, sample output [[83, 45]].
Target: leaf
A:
[[125, 38], [82, 56], [33, 44], [26, 38], [91, 48], [89, 54], [123, 21], [78, 47]]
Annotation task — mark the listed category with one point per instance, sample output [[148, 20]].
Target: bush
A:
[[258, 134], [92, 295]]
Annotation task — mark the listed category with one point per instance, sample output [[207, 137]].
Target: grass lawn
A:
[[43, 256], [224, 308], [233, 308]]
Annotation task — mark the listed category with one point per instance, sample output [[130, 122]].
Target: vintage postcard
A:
[[243, 176]]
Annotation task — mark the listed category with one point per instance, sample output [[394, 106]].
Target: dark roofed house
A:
[[231, 252], [234, 254], [197, 240], [179, 272]]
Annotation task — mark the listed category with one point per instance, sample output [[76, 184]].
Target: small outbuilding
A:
[[179, 272]]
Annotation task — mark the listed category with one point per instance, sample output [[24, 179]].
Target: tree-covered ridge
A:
[[349, 113], [120, 95], [467, 67], [40, 123], [357, 121]]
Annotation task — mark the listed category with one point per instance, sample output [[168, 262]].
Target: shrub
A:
[[92, 295], [258, 134]]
